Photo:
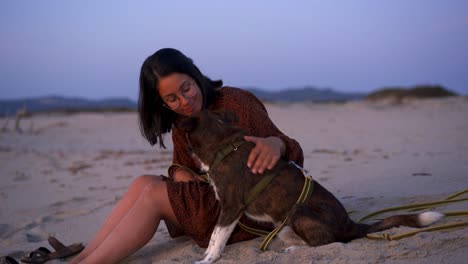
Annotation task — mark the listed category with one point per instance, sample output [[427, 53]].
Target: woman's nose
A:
[[183, 100]]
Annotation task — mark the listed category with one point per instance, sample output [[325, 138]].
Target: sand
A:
[[64, 173]]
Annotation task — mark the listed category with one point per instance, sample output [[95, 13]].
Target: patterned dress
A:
[[194, 203]]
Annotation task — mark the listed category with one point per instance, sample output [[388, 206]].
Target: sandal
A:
[[39, 255], [42, 254]]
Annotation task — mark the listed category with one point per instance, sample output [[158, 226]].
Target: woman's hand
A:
[[265, 154], [181, 175]]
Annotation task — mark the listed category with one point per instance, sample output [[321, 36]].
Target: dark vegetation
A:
[[51, 104], [416, 92]]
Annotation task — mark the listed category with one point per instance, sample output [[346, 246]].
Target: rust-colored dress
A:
[[194, 203]]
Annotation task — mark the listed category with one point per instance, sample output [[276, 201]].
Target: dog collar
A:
[[225, 151], [222, 154]]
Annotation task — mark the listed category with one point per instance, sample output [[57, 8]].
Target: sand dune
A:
[[64, 173]]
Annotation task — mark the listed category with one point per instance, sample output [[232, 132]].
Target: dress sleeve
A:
[[253, 117]]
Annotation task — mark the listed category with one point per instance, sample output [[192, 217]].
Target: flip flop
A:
[[42, 254], [62, 251], [38, 256]]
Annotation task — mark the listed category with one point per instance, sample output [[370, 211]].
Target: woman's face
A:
[[181, 94]]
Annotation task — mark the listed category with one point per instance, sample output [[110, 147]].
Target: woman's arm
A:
[[182, 157], [271, 143]]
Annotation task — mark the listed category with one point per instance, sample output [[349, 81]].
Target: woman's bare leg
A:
[[137, 227], [119, 211]]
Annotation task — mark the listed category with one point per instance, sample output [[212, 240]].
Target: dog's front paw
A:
[[208, 260], [203, 262], [292, 248]]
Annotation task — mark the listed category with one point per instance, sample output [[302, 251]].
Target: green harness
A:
[[260, 186], [227, 149]]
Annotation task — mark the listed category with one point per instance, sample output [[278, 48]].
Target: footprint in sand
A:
[[21, 176], [148, 162], [98, 188], [67, 202], [324, 151], [163, 166], [5, 149], [71, 208], [123, 177], [323, 179], [47, 172], [78, 166], [36, 234], [53, 180], [4, 229], [116, 154], [421, 174], [129, 163], [363, 199]]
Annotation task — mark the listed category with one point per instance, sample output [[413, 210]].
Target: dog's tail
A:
[[412, 220]]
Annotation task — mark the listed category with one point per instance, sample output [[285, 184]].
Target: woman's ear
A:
[[186, 123]]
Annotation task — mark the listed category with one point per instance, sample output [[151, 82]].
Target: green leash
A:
[[421, 206], [417, 206], [443, 227]]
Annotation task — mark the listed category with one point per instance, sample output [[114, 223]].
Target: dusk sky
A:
[[94, 49]]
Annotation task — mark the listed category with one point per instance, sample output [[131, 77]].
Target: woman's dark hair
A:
[[154, 118]]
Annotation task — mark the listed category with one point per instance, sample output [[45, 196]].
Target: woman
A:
[[172, 86]]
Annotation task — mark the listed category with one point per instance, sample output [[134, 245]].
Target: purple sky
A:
[[94, 49]]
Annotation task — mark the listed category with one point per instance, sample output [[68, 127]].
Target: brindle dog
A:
[[322, 219]]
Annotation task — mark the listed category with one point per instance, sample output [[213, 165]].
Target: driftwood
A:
[[20, 114], [5, 125]]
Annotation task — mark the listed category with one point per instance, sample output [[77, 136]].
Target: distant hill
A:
[[73, 104], [67, 104], [305, 94], [397, 94]]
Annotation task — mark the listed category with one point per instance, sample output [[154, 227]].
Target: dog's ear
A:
[[227, 116], [186, 123]]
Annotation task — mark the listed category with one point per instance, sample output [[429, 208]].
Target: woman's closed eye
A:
[[170, 99], [187, 89]]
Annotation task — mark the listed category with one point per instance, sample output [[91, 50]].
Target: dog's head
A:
[[209, 128]]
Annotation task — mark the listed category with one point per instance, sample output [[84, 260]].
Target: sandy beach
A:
[[64, 173]]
